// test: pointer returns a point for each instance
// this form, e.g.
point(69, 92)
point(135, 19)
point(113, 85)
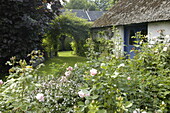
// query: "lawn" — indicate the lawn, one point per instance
point(64, 57)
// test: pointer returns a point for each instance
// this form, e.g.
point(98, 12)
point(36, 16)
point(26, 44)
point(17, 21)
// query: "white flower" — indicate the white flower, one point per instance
point(1, 82)
point(82, 94)
point(156, 51)
point(141, 42)
point(150, 46)
point(75, 66)
point(163, 102)
point(70, 68)
point(67, 73)
point(93, 72)
point(144, 112)
point(63, 79)
point(102, 64)
point(135, 111)
point(152, 42)
point(121, 65)
point(167, 36)
point(116, 73)
point(165, 48)
point(40, 97)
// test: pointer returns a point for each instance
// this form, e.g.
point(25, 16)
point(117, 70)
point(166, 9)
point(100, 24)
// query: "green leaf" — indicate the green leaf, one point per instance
point(102, 111)
point(80, 103)
point(87, 102)
point(128, 104)
point(95, 96)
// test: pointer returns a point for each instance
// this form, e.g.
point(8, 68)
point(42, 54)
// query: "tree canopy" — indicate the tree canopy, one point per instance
point(90, 4)
point(22, 25)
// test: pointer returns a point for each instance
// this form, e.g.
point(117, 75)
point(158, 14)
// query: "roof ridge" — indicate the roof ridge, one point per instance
point(88, 15)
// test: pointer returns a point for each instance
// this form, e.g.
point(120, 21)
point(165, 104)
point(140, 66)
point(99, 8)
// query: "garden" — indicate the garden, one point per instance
point(103, 84)
point(38, 77)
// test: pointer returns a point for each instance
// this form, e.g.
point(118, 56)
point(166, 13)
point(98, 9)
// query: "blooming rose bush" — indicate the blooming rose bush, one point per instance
point(27, 90)
point(129, 85)
point(105, 84)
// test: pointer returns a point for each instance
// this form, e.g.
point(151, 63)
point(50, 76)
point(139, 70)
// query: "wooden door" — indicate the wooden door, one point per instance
point(130, 31)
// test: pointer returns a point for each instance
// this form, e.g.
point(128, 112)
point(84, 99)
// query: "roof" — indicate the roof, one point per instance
point(85, 14)
point(135, 11)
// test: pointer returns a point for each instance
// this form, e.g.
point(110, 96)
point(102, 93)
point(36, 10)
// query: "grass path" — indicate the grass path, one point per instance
point(64, 57)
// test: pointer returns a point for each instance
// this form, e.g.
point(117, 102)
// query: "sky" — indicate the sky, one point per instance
point(65, 0)
point(49, 5)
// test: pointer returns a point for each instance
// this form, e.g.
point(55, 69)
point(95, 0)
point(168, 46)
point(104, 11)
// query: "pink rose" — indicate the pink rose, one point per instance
point(88, 94)
point(70, 68)
point(128, 78)
point(93, 72)
point(67, 73)
point(1, 82)
point(40, 97)
point(82, 94)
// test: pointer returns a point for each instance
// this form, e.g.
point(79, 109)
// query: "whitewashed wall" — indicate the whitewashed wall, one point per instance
point(120, 39)
point(156, 26)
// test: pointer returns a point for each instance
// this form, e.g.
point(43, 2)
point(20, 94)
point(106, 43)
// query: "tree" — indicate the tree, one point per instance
point(67, 24)
point(102, 5)
point(80, 4)
point(22, 25)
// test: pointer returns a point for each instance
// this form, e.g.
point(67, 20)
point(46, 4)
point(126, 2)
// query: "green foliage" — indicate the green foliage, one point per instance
point(21, 91)
point(80, 4)
point(67, 44)
point(104, 4)
point(127, 85)
point(22, 25)
point(93, 5)
point(105, 84)
point(69, 25)
point(17, 91)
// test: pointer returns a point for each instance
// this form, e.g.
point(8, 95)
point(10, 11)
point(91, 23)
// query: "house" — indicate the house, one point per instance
point(85, 14)
point(131, 16)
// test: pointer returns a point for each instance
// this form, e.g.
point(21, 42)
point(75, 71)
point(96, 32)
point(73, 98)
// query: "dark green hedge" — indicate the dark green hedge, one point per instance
point(22, 25)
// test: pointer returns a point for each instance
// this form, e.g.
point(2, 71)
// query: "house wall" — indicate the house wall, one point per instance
point(119, 35)
point(154, 27)
point(101, 33)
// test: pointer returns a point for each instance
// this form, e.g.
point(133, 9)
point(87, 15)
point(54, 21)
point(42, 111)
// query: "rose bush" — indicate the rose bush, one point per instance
point(105, 84)
point(129, 85)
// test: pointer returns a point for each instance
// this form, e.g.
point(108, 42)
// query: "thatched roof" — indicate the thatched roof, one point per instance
point(135, 11)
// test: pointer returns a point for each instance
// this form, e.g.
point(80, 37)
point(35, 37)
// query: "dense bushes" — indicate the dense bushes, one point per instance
point(22, 25)
point(102, 85)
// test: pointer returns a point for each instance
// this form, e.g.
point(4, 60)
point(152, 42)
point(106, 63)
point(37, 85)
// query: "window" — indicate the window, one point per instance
point(131, 38)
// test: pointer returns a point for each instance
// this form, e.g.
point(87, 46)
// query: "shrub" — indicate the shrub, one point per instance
point(105, 84)
point(128, 85)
